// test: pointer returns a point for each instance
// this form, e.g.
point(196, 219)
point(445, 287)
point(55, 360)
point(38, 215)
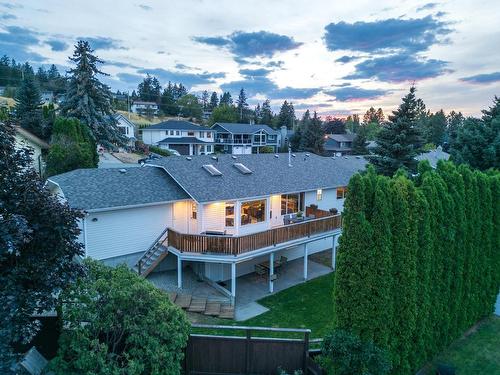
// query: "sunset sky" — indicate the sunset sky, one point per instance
point(335, 57)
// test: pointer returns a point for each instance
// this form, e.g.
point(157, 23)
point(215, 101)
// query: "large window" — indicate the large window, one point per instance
point(253, 212)
point(341, 192)
point(291, 203)
point(229, 214)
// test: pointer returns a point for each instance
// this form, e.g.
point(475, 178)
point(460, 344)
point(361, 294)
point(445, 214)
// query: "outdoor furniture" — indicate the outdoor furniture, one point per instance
point(215, 233)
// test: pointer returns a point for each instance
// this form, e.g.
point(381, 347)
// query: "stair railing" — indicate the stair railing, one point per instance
point(148, 253)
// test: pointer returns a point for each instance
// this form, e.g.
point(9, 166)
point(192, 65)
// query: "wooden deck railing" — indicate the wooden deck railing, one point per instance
point(235, 245)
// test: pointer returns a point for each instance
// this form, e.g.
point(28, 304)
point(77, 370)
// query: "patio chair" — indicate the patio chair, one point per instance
point(260, 270)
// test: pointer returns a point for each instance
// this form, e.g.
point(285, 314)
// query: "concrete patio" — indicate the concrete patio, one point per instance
point(249, 288)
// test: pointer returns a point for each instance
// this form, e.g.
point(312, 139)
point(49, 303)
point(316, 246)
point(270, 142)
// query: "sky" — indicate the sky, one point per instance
point(335, 57)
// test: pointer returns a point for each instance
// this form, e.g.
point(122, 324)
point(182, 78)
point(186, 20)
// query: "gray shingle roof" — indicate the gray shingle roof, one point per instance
point(270, 175)
point(433, 156)
point(245, 128)
point(91, 189)
point(342, 137)
point(176, 125)
point(183, 140)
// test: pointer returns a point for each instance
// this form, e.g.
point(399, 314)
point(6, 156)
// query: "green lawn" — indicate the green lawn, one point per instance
point(478, 353)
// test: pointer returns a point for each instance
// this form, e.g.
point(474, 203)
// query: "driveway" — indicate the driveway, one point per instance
point(107, 160)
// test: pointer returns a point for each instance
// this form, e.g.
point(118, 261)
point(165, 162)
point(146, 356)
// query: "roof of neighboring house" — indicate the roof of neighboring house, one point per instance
point(120, 117)
point(434, 156)
point(100, 188)
point(245, 128)
point(176, 125)
point(342, 137)
point(270, 174)
point(31, 137)
point(144, 103)
point(183, 140)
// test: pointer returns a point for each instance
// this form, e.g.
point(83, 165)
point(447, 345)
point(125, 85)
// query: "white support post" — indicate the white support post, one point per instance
point(334, 251)
point(305, 261)
point(233, 281)
point(179, 272)
point(271, 272)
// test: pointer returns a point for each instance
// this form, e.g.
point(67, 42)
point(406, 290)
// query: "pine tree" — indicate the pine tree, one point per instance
point(266, 114)
point(204, 100)
point(313, 138)
point(28, 107)
point(168, 105)
point(286, 117)
point(242, 106)
point(399, 141)
point(88, 99)
point(360, 143)
point(226, 99)
point(214, 101)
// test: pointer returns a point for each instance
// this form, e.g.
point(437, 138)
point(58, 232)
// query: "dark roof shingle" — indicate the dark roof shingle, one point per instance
point(245, 128)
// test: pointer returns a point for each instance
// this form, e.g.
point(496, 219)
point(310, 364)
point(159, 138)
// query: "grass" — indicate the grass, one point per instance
point(477, 353)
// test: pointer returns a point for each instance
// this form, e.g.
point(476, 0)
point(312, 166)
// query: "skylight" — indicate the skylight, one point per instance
point(242, 168)
point(212, 170)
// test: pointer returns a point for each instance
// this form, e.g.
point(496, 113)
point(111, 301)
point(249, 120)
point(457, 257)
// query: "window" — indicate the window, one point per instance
point(202, 148)
point(122, 130)
point(341, 192)
point(171, 132)
point(194, 211)
point(191, 134)
point(177, 132)
point(209, 148)
point(253, 212)
point(290, 203)
point(209, 134)
point(229, 214)
point(166, 132)
point(319, 194)
point(202, 134)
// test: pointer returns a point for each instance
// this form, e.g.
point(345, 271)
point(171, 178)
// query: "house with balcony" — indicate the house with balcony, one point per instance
point(145, 108)
point(241, 139)
point(221, 218)
point(185, 137)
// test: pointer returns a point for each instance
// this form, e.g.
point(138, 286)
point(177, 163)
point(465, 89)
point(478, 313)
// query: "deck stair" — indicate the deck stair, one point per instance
point(213, 307)
point(153, 255)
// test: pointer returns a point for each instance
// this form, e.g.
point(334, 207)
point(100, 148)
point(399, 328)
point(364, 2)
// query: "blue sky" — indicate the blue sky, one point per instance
point(330, 56)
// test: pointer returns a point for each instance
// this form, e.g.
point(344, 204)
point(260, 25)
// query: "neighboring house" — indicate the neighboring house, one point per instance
point(238, 139)
point(2, 90)
point(434, 156)
point(285, 136)
point(127, 128)
point(339, 143)
point(221, 216)
point(26, 139)
point(142, 108)
point(182, 136)
point(47, 97)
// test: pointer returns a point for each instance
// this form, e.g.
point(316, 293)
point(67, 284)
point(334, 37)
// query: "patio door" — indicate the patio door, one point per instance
point(275, 215)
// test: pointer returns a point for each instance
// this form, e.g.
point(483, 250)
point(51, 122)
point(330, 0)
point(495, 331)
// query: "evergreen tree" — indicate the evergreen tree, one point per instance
point(242, 106)
point(313, 138)
point(352, 123)
point(149, 89)
point(168, 105)
point(296, 138)
point(286, 117)
point(454, 123)
point(257, 114)
point(189, 106)
point(29, 107)
point(38, 244)
point(89, 100)
point(214, 101)
point(360, 143)
point(334, 125)
point(399, 141)
point(226, 99)
point(266, 114)
point(204, 100)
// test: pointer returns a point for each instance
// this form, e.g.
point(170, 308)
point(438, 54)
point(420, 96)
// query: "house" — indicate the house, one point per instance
point(47, 97)
point(218, 217)
point(145, 108)
point(26, 139)
point(434, 156)
point(286, 136)
point(237, 139)
point(339, 143)
point(185, 137)
point(126, 127)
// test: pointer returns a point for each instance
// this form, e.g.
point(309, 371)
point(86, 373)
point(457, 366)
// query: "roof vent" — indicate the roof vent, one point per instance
point(293, 155)
point(234, 157)
point(276, 156)
point(189, 158)
point(358, 157)
point(212, 170)
point(123, 170)
point(333, 157)
point(345, 157)
point(215, 158)
point(307, 154)
point(242, 168)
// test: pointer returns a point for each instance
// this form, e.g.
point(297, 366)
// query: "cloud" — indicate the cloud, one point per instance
point(185, 67)
point(16, 41)
point(11, 5)
point(393, 34)
point(293, 93)
point(427, 6)
point(253, 86)
point(352, 93)
point(102, 43)
point(130, 78)
point(251, 44)
point(57, 45)
point(260, 72)
point(484, 78)
point(399, 68)
point(145, 7)
point(345, 59)
point(7, 16)
point(187, 79)
point(275, 64)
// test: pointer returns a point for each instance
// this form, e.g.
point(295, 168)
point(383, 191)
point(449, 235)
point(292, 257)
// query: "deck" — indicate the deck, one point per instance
point(237, 245)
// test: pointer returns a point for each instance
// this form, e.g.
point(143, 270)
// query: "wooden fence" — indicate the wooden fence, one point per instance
point(234, 245)
point(209, 354)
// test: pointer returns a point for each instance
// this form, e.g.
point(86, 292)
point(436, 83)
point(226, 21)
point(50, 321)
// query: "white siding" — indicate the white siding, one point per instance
point(181, 219)
point(127, 231)
point(214, 216)
point(329, 200)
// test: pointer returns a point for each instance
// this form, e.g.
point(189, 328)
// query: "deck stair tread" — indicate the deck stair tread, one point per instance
point(197, 305)
point(226, 312)
point(212, 308)
point(183, 300)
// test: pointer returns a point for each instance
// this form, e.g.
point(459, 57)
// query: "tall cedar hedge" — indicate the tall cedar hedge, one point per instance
point(419, 260)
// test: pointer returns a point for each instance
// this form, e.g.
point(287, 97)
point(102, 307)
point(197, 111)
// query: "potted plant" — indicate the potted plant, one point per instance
point(299, 214)
point(314, 206)
point(334, 211)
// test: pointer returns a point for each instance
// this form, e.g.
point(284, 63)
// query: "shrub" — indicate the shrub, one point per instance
point(159, 151)
point(115, 322)
point(344, 353)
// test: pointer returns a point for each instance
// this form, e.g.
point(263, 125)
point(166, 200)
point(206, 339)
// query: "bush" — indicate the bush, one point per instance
point(159, 151)
point(266, 150)
point(345, 354)
point(115, 322)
